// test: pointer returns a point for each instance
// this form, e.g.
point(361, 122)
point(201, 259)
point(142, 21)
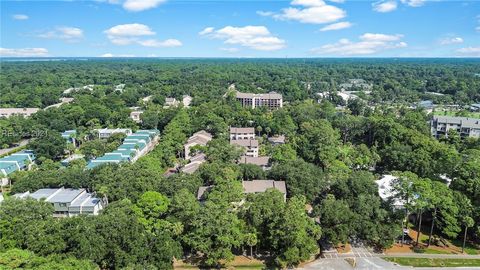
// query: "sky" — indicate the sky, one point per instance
point(243, 28)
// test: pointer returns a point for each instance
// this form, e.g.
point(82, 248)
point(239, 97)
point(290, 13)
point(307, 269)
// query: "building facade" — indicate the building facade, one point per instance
point(238, 133)
point(250, 146)
point(271, 100)
point(465, 127)
point(198, 138)
point(25, 112)
point(15, 162)
point(67, 202)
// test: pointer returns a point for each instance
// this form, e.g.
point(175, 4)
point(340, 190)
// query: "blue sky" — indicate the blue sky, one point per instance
point(197, 28)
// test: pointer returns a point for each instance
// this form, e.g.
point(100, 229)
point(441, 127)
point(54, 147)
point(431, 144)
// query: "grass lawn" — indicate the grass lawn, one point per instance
point(426, 262)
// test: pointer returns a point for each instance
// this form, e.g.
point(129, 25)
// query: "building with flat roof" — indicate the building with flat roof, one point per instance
point(67, 202)
point(271, 100)
point(105, 133)
point(198, 138)
point(466, 127)
point(250, 146)
point(133, 147)
point(242, 133)
point(25, 112)
point(15, 162)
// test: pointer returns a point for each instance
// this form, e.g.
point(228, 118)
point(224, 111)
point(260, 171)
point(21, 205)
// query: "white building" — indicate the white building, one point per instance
point(107, 132)
point(250, 146)
point(76, 89)
point(271, 100)
point(25, 112)
point(239, 133)
point(187, 100)
point(136, 115)
point(171, 102)
point(386, 191)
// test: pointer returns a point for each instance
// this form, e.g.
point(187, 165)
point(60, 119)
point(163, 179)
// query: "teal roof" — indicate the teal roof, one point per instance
point(15, 162)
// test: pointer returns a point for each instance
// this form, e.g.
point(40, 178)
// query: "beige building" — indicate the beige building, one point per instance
point(198, 138)
point(262, 161)
point(466, 127)
point(238, 133)
point(251, 146)
point(135, 115)
point(25, 112)
point(271, 100)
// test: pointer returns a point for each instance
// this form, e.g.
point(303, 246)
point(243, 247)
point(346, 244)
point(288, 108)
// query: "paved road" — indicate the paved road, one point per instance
point(8, 150)
point(441, 256)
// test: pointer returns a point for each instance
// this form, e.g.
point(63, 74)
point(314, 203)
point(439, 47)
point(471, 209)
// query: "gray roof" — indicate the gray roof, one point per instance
point(191, 167)
point(241, 130)
point(245, 143)
point(270, 95)
point(256, 186)
point(66, 195)
point(466, 122)
point(260, 161)
point(201, 192)
point(277, 139)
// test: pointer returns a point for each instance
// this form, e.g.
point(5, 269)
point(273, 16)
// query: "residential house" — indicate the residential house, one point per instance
point(198, 138)
point(387, 192)
point(25, 112)
point(15, 162)
point(466, 127)
point(69, 136)
point(186, 100)
point(262, 161)
point(194, 164)
point(105, 133)
point(250, 146)
point(241, 133)
point(67, 202)
point(271, 100)
point(171, 102)
point(135, 115)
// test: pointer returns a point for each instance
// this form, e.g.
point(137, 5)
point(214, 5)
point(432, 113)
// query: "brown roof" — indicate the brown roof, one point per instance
point(256, 186)
point(245, 143)
point(260, 161)
point(241, 130)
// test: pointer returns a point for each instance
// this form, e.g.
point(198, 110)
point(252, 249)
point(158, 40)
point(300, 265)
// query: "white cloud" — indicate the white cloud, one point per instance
point(140, 5)
point(414, 3)
point(230, 50)
point(66, 33)
point(369, 44)
point(384, 6)
point(311, 11)
point(265, 13)
point(126, 34)
point(20, 17)
point(336, 26)
point(135, 5)
point(159, 43)
point(108, 55)
point(477, 28)
point(253, 37)
point(25, 52)
point(451, 40)
point(207, 30)
point(337, 1)
point(469, 51)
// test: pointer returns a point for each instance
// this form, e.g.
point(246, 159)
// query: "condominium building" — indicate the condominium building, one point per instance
point(67, 202)
point(105, 133)
point(25, 112)
point(466, 127)
point(250, 146)
point(238, 133)
point(15, 162)
point(262, 161)
point(198, 138)
point(249, 187)
point(271, 100)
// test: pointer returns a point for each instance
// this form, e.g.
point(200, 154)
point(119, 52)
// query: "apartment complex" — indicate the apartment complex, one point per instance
point(250, 187)
point(15, 162)
point(67, 202)
point(262, 161)
point(25, 112)
point(466, 127)
point(271, 100)
point(250, 146)
point(198, 138)
point(134, 146)
point(238, 133)
point(105, 133)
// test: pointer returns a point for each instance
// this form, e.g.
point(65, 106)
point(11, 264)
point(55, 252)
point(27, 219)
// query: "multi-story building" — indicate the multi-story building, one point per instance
point(105, 133)
point(15, 162)
point(238, 133)
point(198, 138)
point(250, 146)
point(466, 127)
point(67, 202)
point(262, 161)
point(25, 112)
point(249, 187)
point(271, 100)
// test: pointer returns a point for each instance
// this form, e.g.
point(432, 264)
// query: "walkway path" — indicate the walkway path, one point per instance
point(11, 149)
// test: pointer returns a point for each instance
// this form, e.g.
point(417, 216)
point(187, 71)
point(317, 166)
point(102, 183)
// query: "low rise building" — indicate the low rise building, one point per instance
point(105, 133)
point(250, 187)
point(67, 202)
point(250, 146)
point(135, 115)
point(186, 100)
point(25, 112)
point(15, 162)
point(69, 135)
point(242, 133)
point(198, 138)
point(262, 161)
point(76, 89)
point(271, 100)
point(465, 127)
point(276, 140)
point(194, 164)
point(171, 102)
point(133, 147)
point(387, 192)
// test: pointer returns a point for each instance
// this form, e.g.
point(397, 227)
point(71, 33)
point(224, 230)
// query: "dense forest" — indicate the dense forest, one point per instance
point(330, 161)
